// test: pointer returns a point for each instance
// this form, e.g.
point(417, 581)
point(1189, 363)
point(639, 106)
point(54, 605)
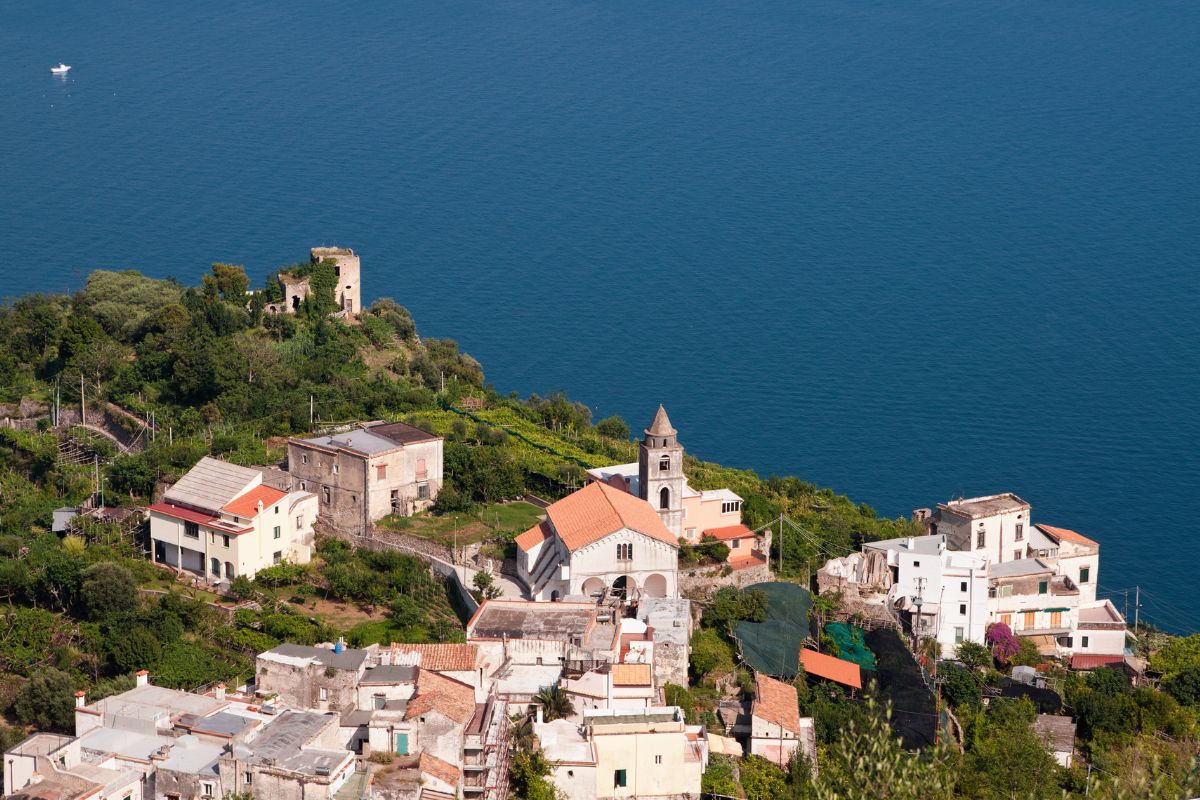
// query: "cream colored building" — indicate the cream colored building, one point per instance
point(995, 526)
point(219, 521)
point(658, 478)
point(650, 754)
point(347, 270)
point(599, 539)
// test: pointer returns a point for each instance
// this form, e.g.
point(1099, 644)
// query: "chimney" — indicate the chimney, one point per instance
point(911, 543)
point(143, 677)
point(260, 506)
point(538, 712)
point(220, 691)
point(80, 699)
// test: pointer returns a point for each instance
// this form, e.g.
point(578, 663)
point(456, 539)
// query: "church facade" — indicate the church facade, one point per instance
point(599, 539)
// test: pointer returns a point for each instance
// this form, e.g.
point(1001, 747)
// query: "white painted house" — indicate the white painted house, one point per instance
point(599, 538)
point(219, 521)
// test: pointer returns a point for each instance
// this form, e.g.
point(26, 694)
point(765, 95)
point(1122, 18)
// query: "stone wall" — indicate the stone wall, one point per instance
point(703, 580)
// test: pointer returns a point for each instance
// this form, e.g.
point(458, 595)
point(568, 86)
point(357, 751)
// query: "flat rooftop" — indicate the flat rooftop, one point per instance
point(521, 619)
point(1013, 569)
point(299, 654)
point(561, 742)
point(282, 743)
point(156, 703)
point(987, 506)
point(924, 545)
point(41, 744)
point(1101, 612)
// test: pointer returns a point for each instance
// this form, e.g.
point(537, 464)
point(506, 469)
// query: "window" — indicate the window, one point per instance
point(276, 531)
point(1016, 555)
point(619, 780)
point(380, 700)
point(916, 564)
point(206, 789)
point(658, 759)
point(1006, 591)
point(962, 609)
point(1055, 619)
point(733, 545)
point(302, 486)
point(1007, 620)
point(191, 530)
point(249, 778)
point(336, 469)
point(1085, 574)
point(322, 693)
point(225, 540)
point(278, 557)
point(276, 509)
point(991, 591)
point(1082, 642)
point(304, 458)
point(1028, 618)
point(625, 551)
point(980, 539)
point(1066, 641)
point(1020, 532)
point(325, 491)
point(1043, 587)
point(216, 567)
point(730, 506)
point(422, 470)
point(299, 522)
point(959, 635)
point(962, 587)
point(381, 472)
point(664, 498)
point(664, 464)
point(423, 491)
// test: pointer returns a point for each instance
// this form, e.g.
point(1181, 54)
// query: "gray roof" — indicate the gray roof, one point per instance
point(374, 438)
point(1060, 731)
point(211, 485)
point(976, 507)
point(529, 620)
point(282, 744)
point(670, 617)
point(222, 723)
point(923, 545)
point(348, 659)
point(389, 673)
point(1013, 569)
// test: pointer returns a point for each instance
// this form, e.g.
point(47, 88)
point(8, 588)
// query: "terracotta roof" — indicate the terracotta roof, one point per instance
point(247, 504)
point(597, 510)
point(533, 537)
point(776, 701)
point(441, 657)
point(631, 674)
point(1058, 729)
point(450, 698)
point(1088, 661)
point(1064, 533)
point(442, 770)
point(661, 426)
point(188, 515)
point(834, 669)
point(730, 532)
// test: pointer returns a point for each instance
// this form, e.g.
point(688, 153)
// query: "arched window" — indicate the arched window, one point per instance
point(664, 464)
point(664, 498)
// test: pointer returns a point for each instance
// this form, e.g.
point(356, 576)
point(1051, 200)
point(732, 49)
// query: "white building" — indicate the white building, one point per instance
point(995, 527)
point(219, 521)
point(952, 587)
point(595, 540)
point(650, 754)
point(777, 730)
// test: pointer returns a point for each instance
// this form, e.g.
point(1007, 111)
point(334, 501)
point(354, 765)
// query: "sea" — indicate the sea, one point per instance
point(910, 250)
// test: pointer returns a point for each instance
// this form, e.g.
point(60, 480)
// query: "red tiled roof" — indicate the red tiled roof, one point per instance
point(443, 657)
point(442, 770)
point(533, 537)
point(597, 510)
point(1069, 535)
point(450, 698)
point(199, 517)
point(834, 669)
point(247, 504)
point(1084, 661)
point(776, 701)
point(730, 532)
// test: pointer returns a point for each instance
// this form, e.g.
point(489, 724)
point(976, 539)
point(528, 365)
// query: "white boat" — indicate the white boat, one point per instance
point(61, 69)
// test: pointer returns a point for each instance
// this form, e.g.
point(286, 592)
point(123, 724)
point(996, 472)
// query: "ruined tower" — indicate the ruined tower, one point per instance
point(348, 291)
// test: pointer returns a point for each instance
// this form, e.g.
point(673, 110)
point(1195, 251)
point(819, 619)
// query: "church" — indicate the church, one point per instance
point(621, 532)
point(657, 477)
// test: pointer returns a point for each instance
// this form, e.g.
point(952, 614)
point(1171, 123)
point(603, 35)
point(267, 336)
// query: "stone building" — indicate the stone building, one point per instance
point(348, 292)
point(314, 678)
point(777, 730)
point(362, 475)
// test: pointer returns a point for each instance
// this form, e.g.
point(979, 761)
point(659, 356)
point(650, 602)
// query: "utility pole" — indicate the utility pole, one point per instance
point(1137, 605)
point(82, 402)
point(310, 410)
point(918, 601)
point(1126, 605)
point(781, 543)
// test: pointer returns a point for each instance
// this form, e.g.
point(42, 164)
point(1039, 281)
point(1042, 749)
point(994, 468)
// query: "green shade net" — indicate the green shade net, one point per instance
point(851, 644)
point(773, 646)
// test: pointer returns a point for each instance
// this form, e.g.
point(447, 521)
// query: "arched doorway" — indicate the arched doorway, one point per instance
point(624, 587)
point(655, 586)
point(593, 587)
point(664, 498)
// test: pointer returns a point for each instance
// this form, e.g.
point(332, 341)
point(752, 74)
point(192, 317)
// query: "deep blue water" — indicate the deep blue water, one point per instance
point(908, 250)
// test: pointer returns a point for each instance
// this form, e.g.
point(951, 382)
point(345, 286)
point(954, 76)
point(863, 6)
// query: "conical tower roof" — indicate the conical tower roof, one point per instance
point(661, 426)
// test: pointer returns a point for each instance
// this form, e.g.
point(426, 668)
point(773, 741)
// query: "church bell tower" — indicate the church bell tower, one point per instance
point(660, 471)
